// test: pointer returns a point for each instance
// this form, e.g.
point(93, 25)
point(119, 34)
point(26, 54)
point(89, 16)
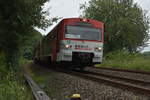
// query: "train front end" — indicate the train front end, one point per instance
point(82, 42)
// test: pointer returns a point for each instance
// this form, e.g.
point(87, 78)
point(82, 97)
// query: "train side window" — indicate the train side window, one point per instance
point(55, 35)
point(52, 36)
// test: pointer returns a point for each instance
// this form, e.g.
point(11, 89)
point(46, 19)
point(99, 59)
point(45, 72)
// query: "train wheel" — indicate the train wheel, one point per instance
point(81, 68)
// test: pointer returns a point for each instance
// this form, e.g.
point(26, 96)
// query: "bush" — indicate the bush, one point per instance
point(11, 83)
point(12, 89)
point(123, 59)
point(121, 56)
point(3, 70)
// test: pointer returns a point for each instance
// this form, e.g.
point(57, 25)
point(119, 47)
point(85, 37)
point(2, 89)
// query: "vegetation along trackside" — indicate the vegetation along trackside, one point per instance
point(110, 32)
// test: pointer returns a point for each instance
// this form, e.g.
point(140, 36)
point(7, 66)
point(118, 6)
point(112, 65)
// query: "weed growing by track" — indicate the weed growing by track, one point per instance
point(12, 86)
point(122, 59)
point(43, 77)
point(13, 89)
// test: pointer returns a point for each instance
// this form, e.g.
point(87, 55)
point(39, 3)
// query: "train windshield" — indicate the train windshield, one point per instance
point(83, 33)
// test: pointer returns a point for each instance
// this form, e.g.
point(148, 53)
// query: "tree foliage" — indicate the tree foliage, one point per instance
point(31, 42)
point(126, 24)
point(146, 54)
point(17, 21)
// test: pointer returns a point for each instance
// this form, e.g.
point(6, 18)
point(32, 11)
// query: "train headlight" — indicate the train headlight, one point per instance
point(67, 46)
point(98, 49)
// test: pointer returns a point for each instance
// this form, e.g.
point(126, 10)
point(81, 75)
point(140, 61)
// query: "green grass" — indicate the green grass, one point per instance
point(12, 85)
point(124, 60)
point(14, 88)
point(43, 76)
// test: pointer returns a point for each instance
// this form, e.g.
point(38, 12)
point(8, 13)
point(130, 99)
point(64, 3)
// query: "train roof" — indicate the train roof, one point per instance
point(77, 19)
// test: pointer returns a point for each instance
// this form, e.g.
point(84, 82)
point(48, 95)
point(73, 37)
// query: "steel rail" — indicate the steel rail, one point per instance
point(124, 70)
point(111, 82)
point(118, 78)
point(38, 93)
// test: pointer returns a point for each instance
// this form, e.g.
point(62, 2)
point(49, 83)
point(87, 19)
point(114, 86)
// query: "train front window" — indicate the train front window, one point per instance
point(83, 33)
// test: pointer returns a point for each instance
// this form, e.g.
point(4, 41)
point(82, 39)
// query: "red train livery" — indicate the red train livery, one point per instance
point(74, 41)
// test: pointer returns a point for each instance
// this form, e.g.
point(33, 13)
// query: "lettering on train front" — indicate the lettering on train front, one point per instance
point(82, 47)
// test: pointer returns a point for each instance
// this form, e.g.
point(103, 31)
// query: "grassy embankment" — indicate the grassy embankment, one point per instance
point(43, 77)
point(12, 85)
point(124, 60)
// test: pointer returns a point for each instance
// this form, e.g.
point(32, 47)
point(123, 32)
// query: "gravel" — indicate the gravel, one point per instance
point(61, 86)
point(89, 90)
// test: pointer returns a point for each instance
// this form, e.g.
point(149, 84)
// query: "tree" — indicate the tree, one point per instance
point(17, 21)
point(126, 24)
point(31, 42)
point(146, 54)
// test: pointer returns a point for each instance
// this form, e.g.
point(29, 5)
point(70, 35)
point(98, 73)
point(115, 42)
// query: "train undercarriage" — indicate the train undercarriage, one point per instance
point(79, 61)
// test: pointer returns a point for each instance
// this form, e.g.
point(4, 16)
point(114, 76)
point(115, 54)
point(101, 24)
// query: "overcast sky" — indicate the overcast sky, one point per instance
point(70, 8)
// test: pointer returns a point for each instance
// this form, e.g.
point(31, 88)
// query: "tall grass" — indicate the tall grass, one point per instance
point(12, 85)
point(122, 59)
point(12, 89)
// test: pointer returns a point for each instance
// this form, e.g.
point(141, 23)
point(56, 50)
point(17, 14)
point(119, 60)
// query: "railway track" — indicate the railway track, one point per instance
point(123, 83)
point(124, 70)
point(134, 81)
point(38, 93)
point(136, 85)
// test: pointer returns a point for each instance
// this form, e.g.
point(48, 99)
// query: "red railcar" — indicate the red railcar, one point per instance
point(73, 40)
